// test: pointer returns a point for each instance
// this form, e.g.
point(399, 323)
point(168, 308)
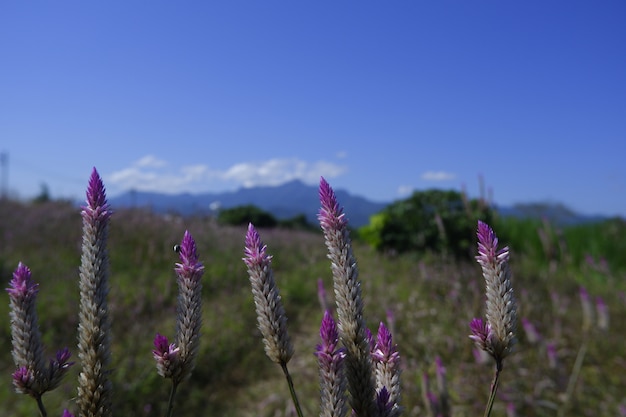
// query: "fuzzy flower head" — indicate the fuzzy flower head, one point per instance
point(385, 350)
point(331, 215)
point(271, 316)
point(331, 368)
point(189, 266)
point(26, 339)
point(501, 305)
point(97, 207)
point(22, 286)
point(166, 356)
point(189, 307)
point(24, 381)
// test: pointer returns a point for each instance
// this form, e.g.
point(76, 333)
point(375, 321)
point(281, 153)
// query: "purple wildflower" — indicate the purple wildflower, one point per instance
point(501, 306)
point(166, 357)
point(26, 337)
point(332, 378)
point(384, 405)
point(271, 316)
point(94, 385)
point(352, 327)
point(387, 363)
point(67, 414)
point(189, 317)
point(480, 333)
point(24, 382)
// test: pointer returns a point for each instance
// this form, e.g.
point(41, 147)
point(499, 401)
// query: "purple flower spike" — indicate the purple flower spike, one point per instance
point(331, 215)
point(24, 381)
point(67, 413)
point(488, 253)
point(255, 250)
point(328, 334)
point(385, 350)
point(94, 343)
point(383, 403)
point(189, 267)
point(26, 339)
point(271, 316)
point(166, 357)
point(58, 367)
point(349, 302)
point(480, 333)
point(22, 286)
point(501, 305)
point(387, 362)
point(330, 360)
point(97, 205)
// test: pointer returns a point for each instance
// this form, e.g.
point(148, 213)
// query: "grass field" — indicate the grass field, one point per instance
point(430, 299)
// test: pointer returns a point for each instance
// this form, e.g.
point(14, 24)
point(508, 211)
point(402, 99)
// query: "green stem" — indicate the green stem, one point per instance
point(573, 379)
point(494, 388)
point(170, 406)
point(292, 390)
point(42, 409)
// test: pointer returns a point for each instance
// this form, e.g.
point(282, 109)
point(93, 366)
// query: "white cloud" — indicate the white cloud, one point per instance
point(279, 171)
point(152, 174)
point(438, 176)
point(150, 161)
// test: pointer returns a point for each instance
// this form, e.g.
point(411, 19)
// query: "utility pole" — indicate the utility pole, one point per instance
point(4, 170)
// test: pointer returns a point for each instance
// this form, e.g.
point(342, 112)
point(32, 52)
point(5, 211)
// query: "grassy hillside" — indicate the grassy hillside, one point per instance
point(431, 301)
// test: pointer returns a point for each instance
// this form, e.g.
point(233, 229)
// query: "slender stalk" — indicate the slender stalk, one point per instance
point(494, 389)
point(42, 409)
point(573, 379)
point(292, 390)
point(170, 405)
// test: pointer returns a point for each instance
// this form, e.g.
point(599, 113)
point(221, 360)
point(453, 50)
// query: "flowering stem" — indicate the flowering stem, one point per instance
point(494, 389)
point(42, 409)
point(292, 390)
point(573, 379)
point(170, 405)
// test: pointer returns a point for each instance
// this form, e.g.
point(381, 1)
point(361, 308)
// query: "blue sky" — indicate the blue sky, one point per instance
point(381, 98)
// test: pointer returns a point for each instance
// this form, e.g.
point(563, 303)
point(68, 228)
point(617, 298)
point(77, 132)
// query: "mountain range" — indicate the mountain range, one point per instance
point(295, 198)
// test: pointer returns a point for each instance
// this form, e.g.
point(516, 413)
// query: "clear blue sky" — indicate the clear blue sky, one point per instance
point(381, 98)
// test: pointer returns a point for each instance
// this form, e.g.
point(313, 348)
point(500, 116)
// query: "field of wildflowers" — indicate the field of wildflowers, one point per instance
point(403, 335)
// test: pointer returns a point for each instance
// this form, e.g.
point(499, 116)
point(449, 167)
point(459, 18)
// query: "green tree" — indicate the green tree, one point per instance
point(243, 215)
point(438, 221)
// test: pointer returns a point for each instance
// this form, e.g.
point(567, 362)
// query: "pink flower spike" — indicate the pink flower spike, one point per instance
point(328, 334)
point(331, 216)
point(22, 286)
point(97, 205)
point(383, 403)
point(189, 266)
point(385, 350)
point(255, 250)
point(23, 380)
point(480, 333)
point(163, 349)
point(488, 253)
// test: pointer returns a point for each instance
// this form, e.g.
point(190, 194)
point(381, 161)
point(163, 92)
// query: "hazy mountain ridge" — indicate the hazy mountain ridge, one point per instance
point(295, 198)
